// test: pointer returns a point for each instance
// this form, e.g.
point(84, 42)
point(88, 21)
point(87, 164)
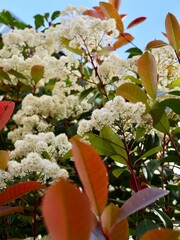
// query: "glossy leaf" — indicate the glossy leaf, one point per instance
point(173, 31)
point(172, 103)
point(55, 15)
point(175, 83)
point(164, 218)
point(111, 12)
point(67, 212)
point(37, 73)
point(140, 200)
point(136, 22)
point(17, 190)
point(93, 174)
point(4, 158)
point(115, 3)
point(152, 151)
point(119, 230)
point(96, 14)
point(6, 110)
point(163, 234)
point(155, 44)
point(147, 70)
point(132, 93)
point(123, 39)
point(6, 210)
point(145, 226)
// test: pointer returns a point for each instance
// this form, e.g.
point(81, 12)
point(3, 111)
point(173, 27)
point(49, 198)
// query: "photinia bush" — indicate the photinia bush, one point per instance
point(100, 132)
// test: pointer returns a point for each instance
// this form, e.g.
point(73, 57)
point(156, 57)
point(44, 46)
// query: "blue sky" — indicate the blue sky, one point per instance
point(154, 10)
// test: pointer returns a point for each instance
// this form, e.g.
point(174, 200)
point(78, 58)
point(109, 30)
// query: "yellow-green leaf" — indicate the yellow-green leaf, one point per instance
point(37, 72)
point(147, 70)
point(111, 12)
point(175, 83)
point(132, 93)
point(4, 158)
point(173, 31)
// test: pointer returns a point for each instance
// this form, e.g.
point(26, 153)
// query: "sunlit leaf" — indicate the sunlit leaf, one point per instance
point(132, 93)
point(4, 158)
point(55, 15)
point(140, 200)
point(93, 174)
point(6, 110)
point(6, 210)
point(163, 234)
point(17, 190)
point(172, 103)
point(93, 13)
point(66, 212)
point(175, 83)
point(173, 31)
point(111, 12)
point(66, 42)
point(155, 44)
point(85, 93)
point(136, 22)
point(123, 39)
point(37, 73)
point(115, 3)
point(147, 70)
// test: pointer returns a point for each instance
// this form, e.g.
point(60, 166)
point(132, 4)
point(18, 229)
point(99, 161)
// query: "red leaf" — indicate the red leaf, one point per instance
point(140, 200)
point(115, 3)
point(136, 21)
point(92, 173)
point(123, 39)
point(18, 190)
point(155, 44)
point(6, 210)
point(96, 14)
point(67, 212)
point(6, 110)
point(161, 234)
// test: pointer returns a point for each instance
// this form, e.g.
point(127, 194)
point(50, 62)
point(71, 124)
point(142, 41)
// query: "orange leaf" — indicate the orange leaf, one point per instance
point(96, 14)
point(111, 12)
point(92, 173)
point(161, 234)
point(155, 44)
point(67, 212)
point(120, 230)
point(6, 210)
point(6, 110)
point(115, 3)
point(147, 70)
point(123, 39)
point(136, 21)
point(173, 31)
point(18, 190)
point(4, 158)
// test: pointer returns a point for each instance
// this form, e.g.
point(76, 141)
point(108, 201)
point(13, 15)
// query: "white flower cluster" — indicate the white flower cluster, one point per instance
point(37, 155)
point(129, 116)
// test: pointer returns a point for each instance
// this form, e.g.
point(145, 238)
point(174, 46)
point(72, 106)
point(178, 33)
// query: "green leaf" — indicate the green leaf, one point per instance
point(4, 75)
point(175, 83)
point(55, 15)
point(133, 79)
point(66, 42)
point(144, 226)
point(176, 93)
point(39, 21)
point(37, 73)
point(118, 171)
point(151, 152)
point(85, 93)
point(134, 52)
point(132, 93)
point(172, 103)
point(147, 70)
point(140, 132)
point(16, 74)
point(164, 218)
point(46, 16)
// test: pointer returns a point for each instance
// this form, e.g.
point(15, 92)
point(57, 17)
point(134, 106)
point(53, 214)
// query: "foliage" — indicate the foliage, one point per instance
point(63, 88)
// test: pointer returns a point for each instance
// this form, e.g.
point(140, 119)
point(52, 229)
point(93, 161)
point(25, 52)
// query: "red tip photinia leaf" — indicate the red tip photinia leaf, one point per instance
point(123, 39)
point(93, 174)
point(111, 12)
point(140, 200)
point(67, 212)
point(147, 69)
point(173, 31)
point(94, 13)
point(155, 44)
point(163, 234)
point(6, 210)
point(136, 22)
point(115, 3)
point(6, 110)
point(18, 190)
